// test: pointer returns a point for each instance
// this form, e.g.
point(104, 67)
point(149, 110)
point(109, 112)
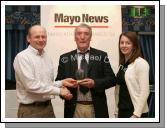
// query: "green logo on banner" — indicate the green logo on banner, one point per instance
point(139, 12)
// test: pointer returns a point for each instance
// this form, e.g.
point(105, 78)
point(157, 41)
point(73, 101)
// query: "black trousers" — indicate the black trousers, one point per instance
point(128, 113)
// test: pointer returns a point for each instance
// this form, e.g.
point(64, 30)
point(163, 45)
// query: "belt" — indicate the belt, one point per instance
point(46, 103)
point(85, 102)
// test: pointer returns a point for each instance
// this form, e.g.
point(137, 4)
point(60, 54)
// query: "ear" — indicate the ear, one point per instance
point(74, 38)
point(28, 39)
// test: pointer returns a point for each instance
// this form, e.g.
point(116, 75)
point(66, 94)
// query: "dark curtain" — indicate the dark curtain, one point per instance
point(145, 26)
point(17, 21)
point(15, 40)
point(147, 43)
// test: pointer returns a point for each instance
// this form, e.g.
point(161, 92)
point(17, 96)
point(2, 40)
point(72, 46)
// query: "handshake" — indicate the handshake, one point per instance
point(64, 92)
point(71, 83)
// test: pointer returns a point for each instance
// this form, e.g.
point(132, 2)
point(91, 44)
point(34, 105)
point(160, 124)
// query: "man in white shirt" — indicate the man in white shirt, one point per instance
point(35, 83)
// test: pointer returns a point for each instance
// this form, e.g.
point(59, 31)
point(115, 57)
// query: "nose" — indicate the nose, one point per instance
point(82, 36)
point(41, 38)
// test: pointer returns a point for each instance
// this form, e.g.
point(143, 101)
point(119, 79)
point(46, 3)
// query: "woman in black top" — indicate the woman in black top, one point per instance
point(131, 97)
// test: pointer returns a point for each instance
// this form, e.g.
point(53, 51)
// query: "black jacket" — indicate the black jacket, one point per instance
point(99, 70)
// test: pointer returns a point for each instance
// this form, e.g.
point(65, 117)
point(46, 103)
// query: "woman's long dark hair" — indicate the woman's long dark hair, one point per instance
point(132, 36)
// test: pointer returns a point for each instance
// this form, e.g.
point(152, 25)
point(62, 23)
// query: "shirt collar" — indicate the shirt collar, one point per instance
point(78, 51)
point(35, 51)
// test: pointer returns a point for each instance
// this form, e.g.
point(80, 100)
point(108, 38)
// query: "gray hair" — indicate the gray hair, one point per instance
point(85, 26)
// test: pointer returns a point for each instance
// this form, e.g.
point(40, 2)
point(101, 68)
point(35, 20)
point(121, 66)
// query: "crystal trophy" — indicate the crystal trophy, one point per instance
point(80, 75)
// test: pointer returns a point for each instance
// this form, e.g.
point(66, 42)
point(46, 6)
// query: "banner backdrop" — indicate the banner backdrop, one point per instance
point(60, 21)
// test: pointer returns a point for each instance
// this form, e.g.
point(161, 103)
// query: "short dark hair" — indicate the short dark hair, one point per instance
point(132, 36)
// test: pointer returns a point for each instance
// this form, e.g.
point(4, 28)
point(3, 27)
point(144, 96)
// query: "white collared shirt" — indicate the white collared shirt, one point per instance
point(34, 75)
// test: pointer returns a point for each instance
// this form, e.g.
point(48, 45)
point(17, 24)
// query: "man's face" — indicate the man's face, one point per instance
point(83, 38)
point(37, 38)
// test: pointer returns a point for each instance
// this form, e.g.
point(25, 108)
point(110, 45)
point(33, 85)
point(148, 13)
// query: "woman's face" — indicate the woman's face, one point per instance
point(126, 46)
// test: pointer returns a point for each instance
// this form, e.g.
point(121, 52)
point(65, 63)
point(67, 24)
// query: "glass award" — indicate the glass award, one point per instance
point(80, 75)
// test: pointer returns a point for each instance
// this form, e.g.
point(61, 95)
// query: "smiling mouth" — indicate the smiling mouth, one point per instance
point(124, 49)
